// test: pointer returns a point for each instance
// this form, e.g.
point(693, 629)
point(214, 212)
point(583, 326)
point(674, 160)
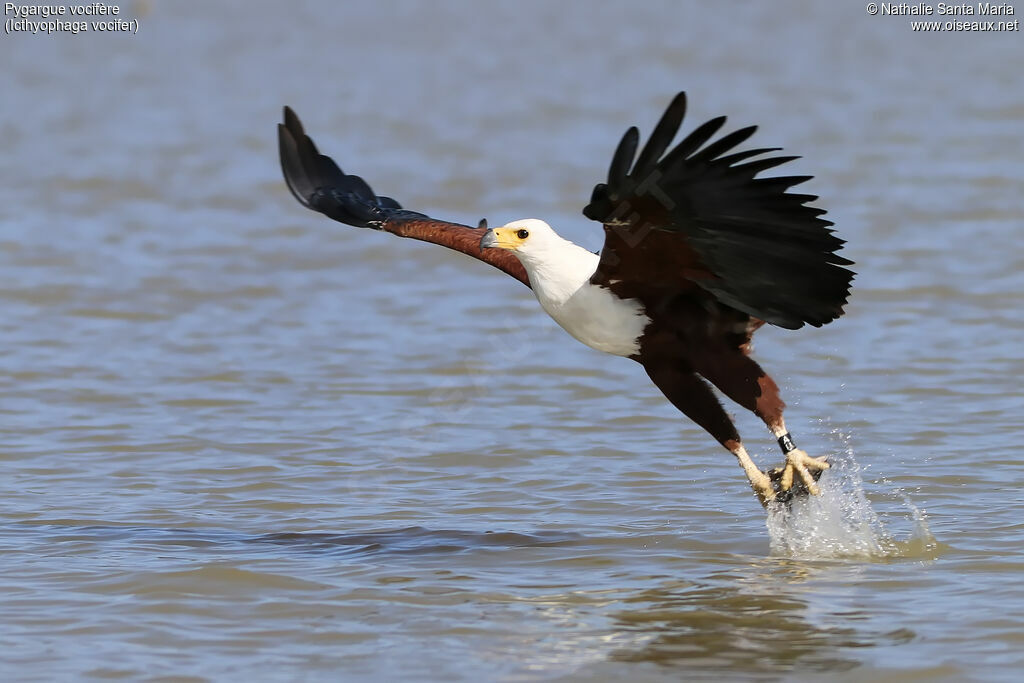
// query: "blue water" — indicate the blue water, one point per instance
point(243, 442)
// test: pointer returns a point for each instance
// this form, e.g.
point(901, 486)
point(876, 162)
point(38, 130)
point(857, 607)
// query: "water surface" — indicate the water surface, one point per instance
point(240, 441)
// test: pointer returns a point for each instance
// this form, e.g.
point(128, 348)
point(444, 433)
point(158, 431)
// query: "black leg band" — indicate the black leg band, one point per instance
point(786, 443)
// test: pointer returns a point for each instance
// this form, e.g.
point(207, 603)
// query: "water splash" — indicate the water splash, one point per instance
point(843, 523)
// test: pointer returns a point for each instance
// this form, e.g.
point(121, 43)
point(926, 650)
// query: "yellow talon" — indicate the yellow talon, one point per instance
point(798, 463)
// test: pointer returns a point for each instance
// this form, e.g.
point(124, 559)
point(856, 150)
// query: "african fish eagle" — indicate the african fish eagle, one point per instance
point(699, 252)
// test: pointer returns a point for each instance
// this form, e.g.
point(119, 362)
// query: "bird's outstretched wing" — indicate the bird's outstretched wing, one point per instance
point(319, 184)
point(699, 217)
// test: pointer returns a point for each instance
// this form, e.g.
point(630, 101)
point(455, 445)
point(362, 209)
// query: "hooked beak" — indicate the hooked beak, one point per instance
point(498, 238)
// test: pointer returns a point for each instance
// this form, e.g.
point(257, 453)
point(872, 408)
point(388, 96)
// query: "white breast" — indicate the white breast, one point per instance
point(599, 319)
point(590, 313)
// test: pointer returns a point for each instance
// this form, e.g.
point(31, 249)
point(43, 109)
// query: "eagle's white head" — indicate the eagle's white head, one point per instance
point(527, 237)
point(552, 262)
point(537, 246)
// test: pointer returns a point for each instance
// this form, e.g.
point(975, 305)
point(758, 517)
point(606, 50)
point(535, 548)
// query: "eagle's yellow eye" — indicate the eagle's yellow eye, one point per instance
point(522, 234)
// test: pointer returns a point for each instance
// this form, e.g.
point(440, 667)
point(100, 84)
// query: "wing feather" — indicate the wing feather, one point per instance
point(662, 136)
point(722, 144)
point(318, 183)
point(623, 157)
point(692, 142)
point(698, 218)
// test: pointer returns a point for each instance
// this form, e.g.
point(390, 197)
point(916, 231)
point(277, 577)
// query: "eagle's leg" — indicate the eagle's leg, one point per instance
point(692, 395)
point(744, 381)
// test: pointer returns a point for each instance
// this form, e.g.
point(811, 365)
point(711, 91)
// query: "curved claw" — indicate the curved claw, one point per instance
point(798, 465)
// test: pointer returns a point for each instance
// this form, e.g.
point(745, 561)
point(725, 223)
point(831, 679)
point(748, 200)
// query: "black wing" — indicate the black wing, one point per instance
point(319, 184)
point(699, 215)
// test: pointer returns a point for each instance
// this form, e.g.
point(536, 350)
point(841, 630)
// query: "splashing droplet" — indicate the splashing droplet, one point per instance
point(842, 523)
